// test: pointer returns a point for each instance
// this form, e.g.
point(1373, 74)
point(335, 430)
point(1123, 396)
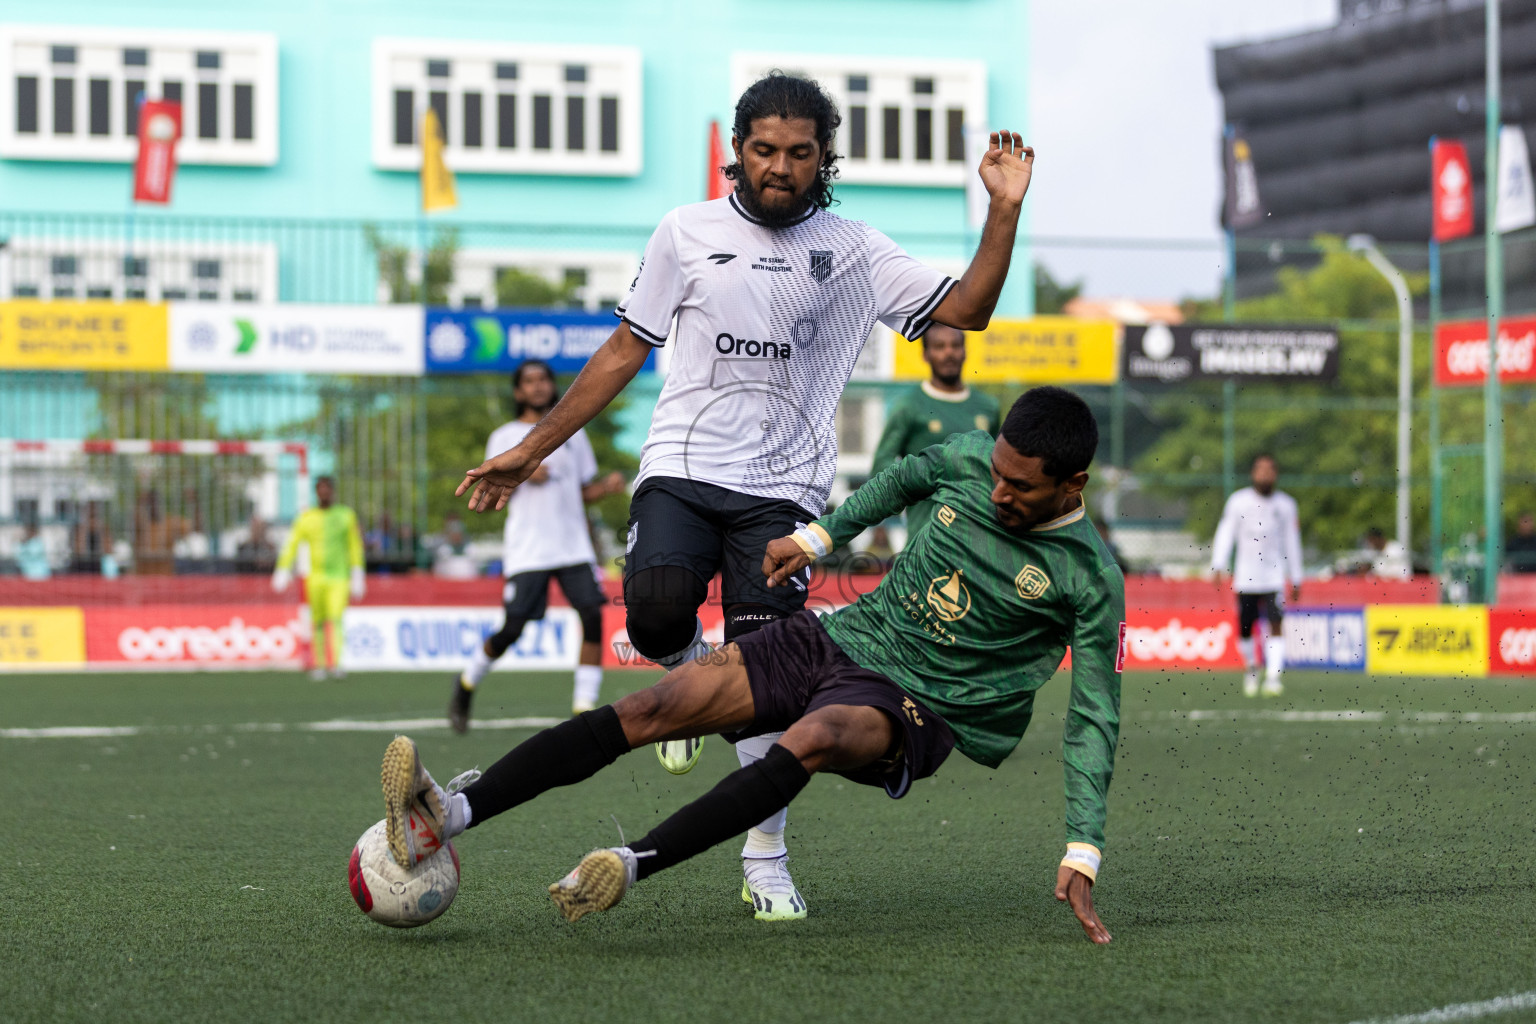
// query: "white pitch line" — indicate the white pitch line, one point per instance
point(1463, 1011)
point(71, 732)
point(1345, 715)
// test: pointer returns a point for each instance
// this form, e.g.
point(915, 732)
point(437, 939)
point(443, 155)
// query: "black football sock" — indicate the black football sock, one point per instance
point(741, 800)
point(568, 753)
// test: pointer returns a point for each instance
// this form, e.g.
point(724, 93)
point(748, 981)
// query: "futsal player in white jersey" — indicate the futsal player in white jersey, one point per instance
point(546, 539)
point(1260, 523)
point(766, 299)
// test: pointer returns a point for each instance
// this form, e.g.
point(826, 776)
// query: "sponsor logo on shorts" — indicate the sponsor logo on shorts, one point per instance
point(910, 708)
point(949, 597)
point(945, 515)
point(1032, 582)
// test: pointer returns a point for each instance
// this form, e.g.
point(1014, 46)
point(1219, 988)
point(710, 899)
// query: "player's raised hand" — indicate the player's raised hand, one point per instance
point(492, 482)
point(1076, 889)
point(783, 559)
point(1007, 166)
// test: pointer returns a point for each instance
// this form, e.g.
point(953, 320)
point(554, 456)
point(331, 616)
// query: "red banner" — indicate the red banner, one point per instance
point(1451, 181)
point(1511, 641)
point(719, 186)
point(159, 131)
point(1461, 352)
point(210, 635)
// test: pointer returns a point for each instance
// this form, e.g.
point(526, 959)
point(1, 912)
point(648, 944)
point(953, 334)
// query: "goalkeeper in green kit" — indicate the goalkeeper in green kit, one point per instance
point(947, 652)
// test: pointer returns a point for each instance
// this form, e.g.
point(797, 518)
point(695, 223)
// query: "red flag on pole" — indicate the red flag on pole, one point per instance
point(159, 130)
point(1451, 187)
point(719, 186)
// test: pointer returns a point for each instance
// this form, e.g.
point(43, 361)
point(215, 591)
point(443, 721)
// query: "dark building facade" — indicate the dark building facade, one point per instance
point(1339, 122)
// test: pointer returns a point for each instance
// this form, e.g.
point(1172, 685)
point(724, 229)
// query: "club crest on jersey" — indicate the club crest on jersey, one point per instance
point(949, 597)
point(821, 264)
point(1031, 583)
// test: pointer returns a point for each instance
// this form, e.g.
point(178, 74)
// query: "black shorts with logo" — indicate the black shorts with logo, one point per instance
point(1271, 605)
point(794, 667)
point(707, 529)
point(526, 595)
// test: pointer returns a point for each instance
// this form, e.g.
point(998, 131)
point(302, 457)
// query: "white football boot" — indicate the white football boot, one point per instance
point(599, 882)
point(679, 756)
point(417, 815)
point(768, 889)
point(1272, 687)
point(1251, 683)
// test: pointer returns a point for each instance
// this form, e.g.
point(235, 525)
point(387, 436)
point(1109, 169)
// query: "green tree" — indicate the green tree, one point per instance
point(518, 289)
point(1051, 295)
point(395, 266)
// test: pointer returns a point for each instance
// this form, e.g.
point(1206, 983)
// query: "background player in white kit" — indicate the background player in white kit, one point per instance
point(769, 299)
point(1261, 523)
point(546, 538)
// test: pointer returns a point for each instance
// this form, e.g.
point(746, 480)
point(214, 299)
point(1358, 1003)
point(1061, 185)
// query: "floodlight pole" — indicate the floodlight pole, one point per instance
point(1493, 398)
point(1366, 245)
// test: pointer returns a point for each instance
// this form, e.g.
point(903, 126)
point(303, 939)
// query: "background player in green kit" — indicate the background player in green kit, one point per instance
point(335, 571)
point(947, 652)
point(936, 408)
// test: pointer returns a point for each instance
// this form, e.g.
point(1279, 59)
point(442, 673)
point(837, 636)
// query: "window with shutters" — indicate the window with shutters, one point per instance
point(72, 93)
point(904, 120)
point(155, 270)
point(509, 108)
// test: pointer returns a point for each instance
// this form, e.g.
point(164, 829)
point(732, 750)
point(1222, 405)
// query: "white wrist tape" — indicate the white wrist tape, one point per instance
point(811, 541)
point(1083, 858)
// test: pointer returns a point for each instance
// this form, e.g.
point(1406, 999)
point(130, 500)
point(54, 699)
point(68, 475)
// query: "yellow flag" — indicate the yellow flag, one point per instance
point(437, 191)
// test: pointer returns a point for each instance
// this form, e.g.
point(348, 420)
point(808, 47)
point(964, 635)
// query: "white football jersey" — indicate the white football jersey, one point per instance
point(547, 523)
point(769, 322)
point(1267, 536)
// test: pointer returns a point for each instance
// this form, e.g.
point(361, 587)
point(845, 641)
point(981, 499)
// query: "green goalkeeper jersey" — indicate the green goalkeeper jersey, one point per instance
point(973, 619)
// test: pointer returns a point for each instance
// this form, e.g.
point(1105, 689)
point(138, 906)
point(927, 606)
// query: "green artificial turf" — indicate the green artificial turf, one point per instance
point(1258, 868)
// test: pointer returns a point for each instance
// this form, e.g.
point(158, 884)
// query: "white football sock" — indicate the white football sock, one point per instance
point(479, 665)
point(1247, 646)
point(459, 815)
point(1274, 656)
point(589, 682)
point(696, 648)
point(767, 839)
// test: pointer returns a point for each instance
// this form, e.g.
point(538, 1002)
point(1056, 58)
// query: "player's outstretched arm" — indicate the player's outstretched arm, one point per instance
point(611, 367)
point(1076, 890)
point(1005, 171)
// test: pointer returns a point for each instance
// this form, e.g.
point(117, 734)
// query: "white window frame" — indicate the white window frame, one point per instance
point(244, 268)
point(960, 84)
point(245, 57)
point(400, 63)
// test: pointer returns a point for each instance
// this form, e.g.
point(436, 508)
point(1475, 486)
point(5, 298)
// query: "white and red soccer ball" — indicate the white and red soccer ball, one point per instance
point(393, 895)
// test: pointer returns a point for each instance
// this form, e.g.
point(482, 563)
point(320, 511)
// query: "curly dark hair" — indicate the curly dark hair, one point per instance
point(1056, 426)
point(777, 94)
point(517, 378)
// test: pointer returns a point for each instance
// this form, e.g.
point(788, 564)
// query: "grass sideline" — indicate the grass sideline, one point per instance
point(1261, 867)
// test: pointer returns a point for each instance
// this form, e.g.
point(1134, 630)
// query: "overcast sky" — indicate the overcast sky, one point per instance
point(1125, 122)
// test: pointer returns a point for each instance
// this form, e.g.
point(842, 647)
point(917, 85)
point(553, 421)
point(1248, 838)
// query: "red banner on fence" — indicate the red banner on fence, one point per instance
point(1451, 181)
point(1461, 352)
point(1511, 641)
point(158, 635)
point(159, 131)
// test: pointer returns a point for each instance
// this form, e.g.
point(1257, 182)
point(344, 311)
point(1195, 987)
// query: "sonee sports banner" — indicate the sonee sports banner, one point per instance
point(1174, 354)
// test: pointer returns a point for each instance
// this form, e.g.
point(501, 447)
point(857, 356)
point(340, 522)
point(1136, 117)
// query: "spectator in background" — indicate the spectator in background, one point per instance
point(32, 555)
point(92, 539)
point(453, 560)
point(256, 553)
point(1521, 549)
point(380, 539)
point(155, 536)
point(1389, 559)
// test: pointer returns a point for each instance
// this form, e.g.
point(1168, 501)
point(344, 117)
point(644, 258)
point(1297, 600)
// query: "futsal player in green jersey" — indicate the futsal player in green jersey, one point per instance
point(335, 572)
point(946, 652)
point(936, 408)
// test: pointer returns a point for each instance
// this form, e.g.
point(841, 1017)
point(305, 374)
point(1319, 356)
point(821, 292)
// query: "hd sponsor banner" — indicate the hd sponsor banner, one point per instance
point(1426, 640)
point(209, 636)
point(1325, 639)
point(1512, 641)
point(1171, 354)
point(1461, 352)
point(444, 639)
point(218, 337)
point(41, 638)
point(472, 341)
point(1040, 350)
point(39, 334)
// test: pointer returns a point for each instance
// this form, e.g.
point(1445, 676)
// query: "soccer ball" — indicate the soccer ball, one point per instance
point(393, 896)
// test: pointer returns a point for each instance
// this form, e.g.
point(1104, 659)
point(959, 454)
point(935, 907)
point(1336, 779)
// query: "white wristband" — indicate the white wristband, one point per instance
point(1084, 859)
point(812, 542)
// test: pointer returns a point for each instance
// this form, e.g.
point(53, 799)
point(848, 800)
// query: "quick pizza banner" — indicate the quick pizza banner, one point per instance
point(1172, 354)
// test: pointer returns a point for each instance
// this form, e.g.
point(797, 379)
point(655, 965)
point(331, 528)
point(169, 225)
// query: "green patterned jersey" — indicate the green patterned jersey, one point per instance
point(924, 417)
point(973, 619)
